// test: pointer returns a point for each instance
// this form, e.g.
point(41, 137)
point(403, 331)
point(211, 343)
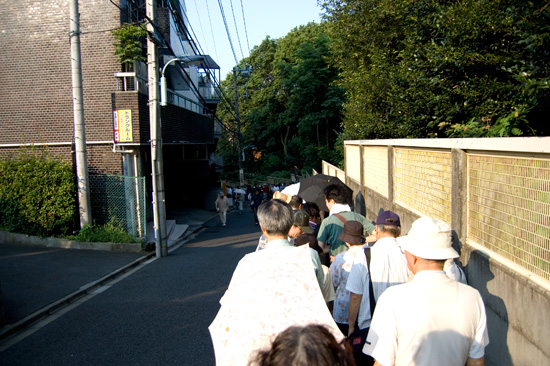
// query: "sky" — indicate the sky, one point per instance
point(273, 18)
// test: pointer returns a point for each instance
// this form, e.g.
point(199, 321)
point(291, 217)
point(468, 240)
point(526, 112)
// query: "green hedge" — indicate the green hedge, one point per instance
point(37, 195)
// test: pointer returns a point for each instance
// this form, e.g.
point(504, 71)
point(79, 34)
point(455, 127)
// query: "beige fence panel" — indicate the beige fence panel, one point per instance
point(509, 209)
point(375, 169)
point(353, 163)
point(422, 182)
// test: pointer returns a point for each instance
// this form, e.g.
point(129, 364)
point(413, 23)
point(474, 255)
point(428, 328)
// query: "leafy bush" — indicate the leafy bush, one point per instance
point(37, 194)
point(108, 233)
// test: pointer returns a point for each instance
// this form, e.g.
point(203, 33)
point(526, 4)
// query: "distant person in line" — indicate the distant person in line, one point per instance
point(222, 205)
point(312, 210)
point(311, 345)
point(311, 240)
point(340, 268)
point(431, 320)
point(255, 202)
point(240, 202)
point(296, 202)
point(337, 200)
point(300, 226)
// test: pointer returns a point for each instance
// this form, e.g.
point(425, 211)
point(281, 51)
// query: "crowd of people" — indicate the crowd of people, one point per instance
point(369, 295)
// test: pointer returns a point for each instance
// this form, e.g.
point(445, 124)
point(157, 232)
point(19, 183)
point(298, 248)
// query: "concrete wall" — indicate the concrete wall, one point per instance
point(517, 301)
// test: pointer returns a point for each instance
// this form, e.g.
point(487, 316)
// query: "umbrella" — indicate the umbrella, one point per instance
point(291, 190)
point(311, 189)
point(270, 290)
point(239, 190)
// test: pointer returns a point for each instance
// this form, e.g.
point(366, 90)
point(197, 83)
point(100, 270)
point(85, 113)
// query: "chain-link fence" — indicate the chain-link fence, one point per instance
point(119, 200)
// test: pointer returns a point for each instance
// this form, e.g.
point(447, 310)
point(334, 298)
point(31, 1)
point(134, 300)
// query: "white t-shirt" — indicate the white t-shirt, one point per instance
point(388, 267)
point(431, 320)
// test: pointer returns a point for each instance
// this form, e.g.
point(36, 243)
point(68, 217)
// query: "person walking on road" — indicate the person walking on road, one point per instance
point(255, 202)
point(222, 205)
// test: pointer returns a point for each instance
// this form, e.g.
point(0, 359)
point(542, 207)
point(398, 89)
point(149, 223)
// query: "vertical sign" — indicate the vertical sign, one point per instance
point(122, 125)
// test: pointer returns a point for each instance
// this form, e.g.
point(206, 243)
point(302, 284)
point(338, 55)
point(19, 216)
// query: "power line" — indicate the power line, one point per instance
point(236, 29)
point(211, 29)
point(227, 31)
point(245, 30)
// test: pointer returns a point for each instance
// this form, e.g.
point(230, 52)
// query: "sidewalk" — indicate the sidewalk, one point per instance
point(34, 279)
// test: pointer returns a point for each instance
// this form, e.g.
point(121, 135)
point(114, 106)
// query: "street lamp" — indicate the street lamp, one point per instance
point(187, 60)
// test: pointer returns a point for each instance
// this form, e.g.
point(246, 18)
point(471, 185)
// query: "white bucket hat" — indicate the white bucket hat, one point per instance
point(429, 239)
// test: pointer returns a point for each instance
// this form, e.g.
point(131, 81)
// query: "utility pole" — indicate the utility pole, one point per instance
point(78, 112)
point(159, 208)
point(238, 122)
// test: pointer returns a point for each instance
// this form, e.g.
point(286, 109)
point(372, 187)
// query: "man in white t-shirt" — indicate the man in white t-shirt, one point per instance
point(431, 320)
point(388, 267)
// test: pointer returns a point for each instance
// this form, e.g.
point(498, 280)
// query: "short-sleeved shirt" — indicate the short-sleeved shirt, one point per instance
point(432, 320)
point(339, 270)
point(332, 227)
point(388, 266)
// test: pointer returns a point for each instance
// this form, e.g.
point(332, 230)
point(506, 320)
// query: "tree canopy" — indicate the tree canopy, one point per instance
point(393, 69)
point(435, 68)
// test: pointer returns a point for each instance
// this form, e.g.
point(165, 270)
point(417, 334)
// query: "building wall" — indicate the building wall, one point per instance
point(35, 77)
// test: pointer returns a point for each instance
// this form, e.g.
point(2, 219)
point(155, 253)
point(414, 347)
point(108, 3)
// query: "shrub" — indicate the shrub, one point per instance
point(108, 233)
point(37, 194)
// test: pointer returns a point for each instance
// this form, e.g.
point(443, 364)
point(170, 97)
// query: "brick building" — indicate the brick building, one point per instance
point(36, 92)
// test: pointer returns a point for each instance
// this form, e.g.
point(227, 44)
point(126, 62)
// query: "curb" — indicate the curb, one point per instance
point(7, 237)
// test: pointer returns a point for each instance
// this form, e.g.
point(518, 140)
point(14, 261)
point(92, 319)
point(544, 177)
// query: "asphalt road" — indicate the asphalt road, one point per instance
point(156, 315)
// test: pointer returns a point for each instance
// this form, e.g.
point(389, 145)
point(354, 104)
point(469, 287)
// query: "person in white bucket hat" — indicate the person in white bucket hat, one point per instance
point(431, 320)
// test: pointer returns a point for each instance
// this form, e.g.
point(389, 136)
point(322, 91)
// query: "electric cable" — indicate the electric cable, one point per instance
point(236, 29)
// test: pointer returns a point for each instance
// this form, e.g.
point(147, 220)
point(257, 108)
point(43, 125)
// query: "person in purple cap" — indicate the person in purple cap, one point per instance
point(388, 267)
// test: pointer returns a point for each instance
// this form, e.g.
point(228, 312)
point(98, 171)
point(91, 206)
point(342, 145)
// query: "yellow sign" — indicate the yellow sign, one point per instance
point(122, 125)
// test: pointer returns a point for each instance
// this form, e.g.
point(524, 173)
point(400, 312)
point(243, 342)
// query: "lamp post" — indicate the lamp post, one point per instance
point(187, 60)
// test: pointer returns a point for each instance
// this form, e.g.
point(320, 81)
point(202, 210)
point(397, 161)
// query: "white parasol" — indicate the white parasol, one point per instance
point(239, 190)
point(291, 190)
point(270, 290)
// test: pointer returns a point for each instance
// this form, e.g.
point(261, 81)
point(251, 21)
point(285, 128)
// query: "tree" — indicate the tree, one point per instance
point(428, 68)
point(291, 111)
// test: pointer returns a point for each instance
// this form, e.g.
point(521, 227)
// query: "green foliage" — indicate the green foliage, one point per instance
point(435, 68)
point(292, 110)
point(108, 233)
point(129, 47)
point(37, 194)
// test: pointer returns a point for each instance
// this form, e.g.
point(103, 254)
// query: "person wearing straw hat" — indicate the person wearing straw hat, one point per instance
point(431, 320)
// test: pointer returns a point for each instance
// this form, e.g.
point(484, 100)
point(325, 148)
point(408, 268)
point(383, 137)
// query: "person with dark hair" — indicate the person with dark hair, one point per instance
point(337, 200)
point(352, 235)
point(255, 201)
point(296, 202)
point(311, 345)
point(326, 287)
point(313, 212)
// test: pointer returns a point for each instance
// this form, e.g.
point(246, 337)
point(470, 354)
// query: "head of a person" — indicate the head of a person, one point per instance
point(312, 210)
point(388, 224)
point(311, 240)
point(428, 243)
point(335, 193)
point(296, 202)
point(352, 233)
point(221, 194)
point(300, 224)
point(275, 217)
point(311, 345)
point(281, 196)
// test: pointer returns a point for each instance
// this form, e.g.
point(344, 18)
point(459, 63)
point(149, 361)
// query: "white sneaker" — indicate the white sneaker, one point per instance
point(224, 225)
